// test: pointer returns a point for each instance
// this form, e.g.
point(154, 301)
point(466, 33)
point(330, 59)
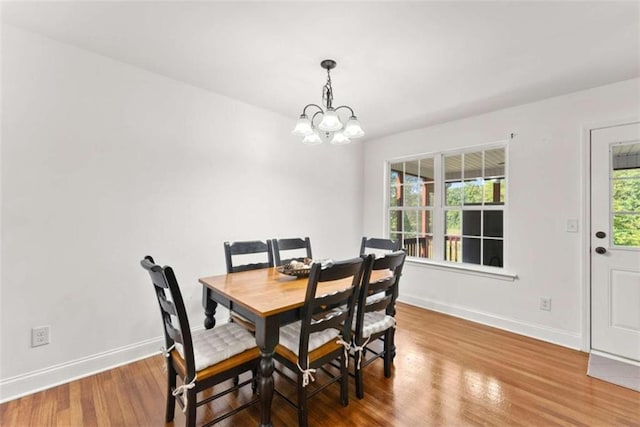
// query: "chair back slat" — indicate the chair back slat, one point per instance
point(167, 306)
point(378, 305)
point(333, 299)
point(332, 319)
point(318, 312)
point(248, 247)
point(157, 277)
point(291, 244)
point(381, 285)
point(330, 310)
point(381, 244)
point(393, 262)
point(172, 311)
point(174, 333)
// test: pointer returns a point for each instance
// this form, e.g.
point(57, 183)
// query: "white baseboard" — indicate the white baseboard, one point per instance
point(31, 382)
point(541, 332)
point(615, 357)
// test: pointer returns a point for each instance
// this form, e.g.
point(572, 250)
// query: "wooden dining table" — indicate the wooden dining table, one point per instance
point(269, 299)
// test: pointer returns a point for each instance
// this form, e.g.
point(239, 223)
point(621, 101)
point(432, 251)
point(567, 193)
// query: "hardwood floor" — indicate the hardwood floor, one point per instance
point(447, 372)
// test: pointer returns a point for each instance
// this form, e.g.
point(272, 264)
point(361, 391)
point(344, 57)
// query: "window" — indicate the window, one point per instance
point(411, 201)
point(625, 194)
point(450, 206)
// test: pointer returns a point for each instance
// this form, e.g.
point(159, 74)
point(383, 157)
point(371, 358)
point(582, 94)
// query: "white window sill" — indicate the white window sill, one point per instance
point(475, 270)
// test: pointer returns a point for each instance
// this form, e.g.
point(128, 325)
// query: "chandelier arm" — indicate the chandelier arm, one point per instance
point(315, 115)
point(304, 110)
point(348, 108)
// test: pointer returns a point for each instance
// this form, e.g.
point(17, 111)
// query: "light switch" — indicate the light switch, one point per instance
point(572, 225)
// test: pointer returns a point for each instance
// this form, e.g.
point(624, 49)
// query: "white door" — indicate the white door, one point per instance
point(615, 240)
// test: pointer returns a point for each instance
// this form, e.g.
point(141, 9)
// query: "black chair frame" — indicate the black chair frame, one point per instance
point(387, 286)
point(317, 315)
point(163, 278)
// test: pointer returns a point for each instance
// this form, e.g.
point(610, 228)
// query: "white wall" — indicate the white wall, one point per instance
point(103, 163)
point(545, 188)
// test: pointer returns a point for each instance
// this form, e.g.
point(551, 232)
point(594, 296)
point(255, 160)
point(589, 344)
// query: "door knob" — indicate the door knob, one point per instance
point(600, 250)
point(601, 234)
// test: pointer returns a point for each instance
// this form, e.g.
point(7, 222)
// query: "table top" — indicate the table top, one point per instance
point(266, 291)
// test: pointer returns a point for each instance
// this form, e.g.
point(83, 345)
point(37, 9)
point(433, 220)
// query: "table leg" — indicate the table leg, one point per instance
point(209, 309)
point(267, 331)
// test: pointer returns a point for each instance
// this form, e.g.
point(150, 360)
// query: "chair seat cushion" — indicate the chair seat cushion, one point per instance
point(211, 346)
point(290, 337)
point(374, 322)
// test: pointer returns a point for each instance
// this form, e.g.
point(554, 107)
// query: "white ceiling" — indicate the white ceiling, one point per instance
point(401, 65)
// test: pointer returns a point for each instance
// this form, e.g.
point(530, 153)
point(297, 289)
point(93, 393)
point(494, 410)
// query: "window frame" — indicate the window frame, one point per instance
point(439, 210)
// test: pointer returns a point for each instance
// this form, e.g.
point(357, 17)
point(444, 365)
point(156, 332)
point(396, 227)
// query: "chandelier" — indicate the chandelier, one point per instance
point(329, 127)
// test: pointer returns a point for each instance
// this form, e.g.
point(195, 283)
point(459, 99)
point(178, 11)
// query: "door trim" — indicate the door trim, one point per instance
point(585, 216)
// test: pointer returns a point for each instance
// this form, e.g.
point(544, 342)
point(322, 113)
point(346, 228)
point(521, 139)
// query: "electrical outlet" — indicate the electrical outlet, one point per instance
point(40, 336)
point(545, 303)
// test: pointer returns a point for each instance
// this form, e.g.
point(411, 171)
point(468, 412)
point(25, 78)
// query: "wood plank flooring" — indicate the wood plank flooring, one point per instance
point(448, 372)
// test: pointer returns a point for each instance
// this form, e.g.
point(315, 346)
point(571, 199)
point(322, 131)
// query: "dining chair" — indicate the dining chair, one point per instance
point(203, 359)
point(374, 317)
point(322, 335)
point(291, 244)
point(245, 249)
point(379, 245)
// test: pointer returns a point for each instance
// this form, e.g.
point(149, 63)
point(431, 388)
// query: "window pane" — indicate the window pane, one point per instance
point(626, 230)
point(473, 165)
point(428, 194)
point(492, 252)
point(453, 193)
point(410, 224)
point(452, 248)
point(471, 223)
point(412, 169)
point(396, 174)
point(626, 195)
point(396, 177)
point(453, 167)
point(471, 250)
point(395, 236)
point(395, 221)
point(473, 192)
point(412, 194)
point(425, 246)
point(426, 170)
point(395, 195)
point(626, 173)
point(626, 160)
point(494, 162)
point(452, 225)
point(494, 190)
point(425, 222)
point(493, 224)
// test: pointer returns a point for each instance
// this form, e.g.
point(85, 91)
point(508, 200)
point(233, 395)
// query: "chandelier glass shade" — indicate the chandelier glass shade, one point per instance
point(325, 124)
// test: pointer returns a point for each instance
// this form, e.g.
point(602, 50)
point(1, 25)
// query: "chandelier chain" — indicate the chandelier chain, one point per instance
point(327, 92)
